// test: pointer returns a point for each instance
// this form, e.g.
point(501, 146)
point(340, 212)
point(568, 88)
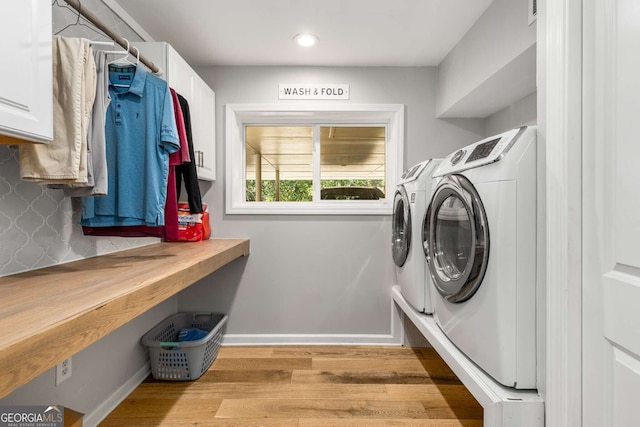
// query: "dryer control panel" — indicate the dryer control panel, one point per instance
point(484, 152)
point(412, 173)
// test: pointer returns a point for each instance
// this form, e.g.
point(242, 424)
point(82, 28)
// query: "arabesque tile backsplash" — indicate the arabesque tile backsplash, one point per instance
point(40, 227)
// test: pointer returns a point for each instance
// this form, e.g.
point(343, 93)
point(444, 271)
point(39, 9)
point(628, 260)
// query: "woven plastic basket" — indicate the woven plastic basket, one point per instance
point(187, 360)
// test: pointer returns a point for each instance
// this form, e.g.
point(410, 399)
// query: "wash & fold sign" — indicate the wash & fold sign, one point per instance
point(313, 91)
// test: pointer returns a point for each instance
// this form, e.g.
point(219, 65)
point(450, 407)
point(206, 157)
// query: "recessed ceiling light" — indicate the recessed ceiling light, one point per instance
point(305, 39)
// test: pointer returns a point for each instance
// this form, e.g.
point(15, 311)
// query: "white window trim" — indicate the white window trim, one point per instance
point(240, 115)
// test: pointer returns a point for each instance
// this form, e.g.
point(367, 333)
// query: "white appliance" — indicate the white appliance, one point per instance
point(409, 207)
point(480, 244)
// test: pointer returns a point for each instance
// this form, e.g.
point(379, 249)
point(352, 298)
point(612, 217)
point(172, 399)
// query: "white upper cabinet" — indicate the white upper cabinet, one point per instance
point(204, 128)
point(26, 85)
point(202, 101)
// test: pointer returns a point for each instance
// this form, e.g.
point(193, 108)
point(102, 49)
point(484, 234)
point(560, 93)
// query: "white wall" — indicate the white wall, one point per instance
point(492, 66)
point(520, 113)
point(317, 278)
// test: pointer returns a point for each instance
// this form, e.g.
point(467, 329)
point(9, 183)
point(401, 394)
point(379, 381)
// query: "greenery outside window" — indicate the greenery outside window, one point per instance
point(312, 159)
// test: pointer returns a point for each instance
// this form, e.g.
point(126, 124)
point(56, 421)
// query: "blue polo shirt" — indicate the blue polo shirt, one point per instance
point(140, 134)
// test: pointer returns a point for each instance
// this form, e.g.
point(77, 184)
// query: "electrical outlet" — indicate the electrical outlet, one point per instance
point(63, 370)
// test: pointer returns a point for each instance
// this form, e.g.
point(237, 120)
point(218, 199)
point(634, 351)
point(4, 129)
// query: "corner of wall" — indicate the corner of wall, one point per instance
point(477, 79)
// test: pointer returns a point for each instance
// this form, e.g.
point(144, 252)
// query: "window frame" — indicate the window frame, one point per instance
point(237, 116)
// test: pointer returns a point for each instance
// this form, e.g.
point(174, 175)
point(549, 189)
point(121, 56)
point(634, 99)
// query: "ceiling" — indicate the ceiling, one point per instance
point(350, 32)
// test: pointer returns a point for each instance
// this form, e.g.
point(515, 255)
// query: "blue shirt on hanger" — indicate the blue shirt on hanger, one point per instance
point(140, 134)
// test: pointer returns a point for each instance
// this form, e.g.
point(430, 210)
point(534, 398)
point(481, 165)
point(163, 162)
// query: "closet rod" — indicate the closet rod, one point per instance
point(116, 37)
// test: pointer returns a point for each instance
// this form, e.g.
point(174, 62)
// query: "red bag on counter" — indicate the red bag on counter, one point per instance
point(193, 227)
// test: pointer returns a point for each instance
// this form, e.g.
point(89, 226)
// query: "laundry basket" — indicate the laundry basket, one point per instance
point(187, 360)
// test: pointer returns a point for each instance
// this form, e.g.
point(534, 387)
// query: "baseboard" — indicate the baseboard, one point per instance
point(394, 338)
point(303, 339)
point(100, 413)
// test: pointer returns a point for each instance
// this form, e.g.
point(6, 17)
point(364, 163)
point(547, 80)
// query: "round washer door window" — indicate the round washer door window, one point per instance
point(401, 231)
point(456, 239)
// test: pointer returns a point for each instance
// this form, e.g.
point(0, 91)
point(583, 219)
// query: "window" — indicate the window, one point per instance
point(312, 159)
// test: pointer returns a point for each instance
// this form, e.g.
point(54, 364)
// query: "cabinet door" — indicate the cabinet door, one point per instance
point(202, 102)
point(203, 120)
point(179, 75)
point(26, 86)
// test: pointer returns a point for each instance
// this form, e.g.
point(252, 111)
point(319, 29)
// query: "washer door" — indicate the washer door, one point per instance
point(456, 239)
point(401, 223)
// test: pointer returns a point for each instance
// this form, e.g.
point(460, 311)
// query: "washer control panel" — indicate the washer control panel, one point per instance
point(484, 152)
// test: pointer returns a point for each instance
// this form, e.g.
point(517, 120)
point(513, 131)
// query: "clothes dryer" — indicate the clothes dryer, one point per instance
point(480, 244)
point(409, 206)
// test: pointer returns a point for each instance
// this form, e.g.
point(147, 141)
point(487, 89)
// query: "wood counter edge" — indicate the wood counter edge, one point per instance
point(28, 356)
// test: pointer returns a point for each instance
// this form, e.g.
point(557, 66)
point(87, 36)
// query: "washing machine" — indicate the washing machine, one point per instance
point(409, 206)
point(479, 238)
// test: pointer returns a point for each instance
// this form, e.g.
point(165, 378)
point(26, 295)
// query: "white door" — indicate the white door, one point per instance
point(611, 213)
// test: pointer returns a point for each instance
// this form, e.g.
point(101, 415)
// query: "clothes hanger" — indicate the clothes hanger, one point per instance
point(127, 53)
point(137, 55)
point(124, 60)
point(79, 22)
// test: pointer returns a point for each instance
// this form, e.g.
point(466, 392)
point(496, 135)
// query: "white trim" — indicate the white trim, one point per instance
point(237, 115)
point(309, 339)
point(394, 338)
point(105, 408)
point(132, 23)
point(560, 117)
point(503, 406)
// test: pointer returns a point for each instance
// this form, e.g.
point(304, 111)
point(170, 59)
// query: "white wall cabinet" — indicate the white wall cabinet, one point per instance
point(26, 85)
point(204, 128)
point(202, 101)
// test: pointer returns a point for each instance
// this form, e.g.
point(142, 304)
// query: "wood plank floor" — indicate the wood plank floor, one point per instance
point(308, 386)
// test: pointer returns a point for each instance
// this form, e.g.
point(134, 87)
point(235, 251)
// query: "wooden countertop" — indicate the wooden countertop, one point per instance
point(49, 314)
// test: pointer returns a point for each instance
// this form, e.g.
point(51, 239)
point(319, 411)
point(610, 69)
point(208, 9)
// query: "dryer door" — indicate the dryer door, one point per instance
point(456, 239)
point(401, 223)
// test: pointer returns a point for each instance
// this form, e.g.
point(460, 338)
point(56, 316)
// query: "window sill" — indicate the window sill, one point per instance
point(359, 207)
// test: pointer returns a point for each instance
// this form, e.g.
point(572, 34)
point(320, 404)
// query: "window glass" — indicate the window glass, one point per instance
point(352, 162)
point(401, 229)
point(453, 238)
point(278, 163)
